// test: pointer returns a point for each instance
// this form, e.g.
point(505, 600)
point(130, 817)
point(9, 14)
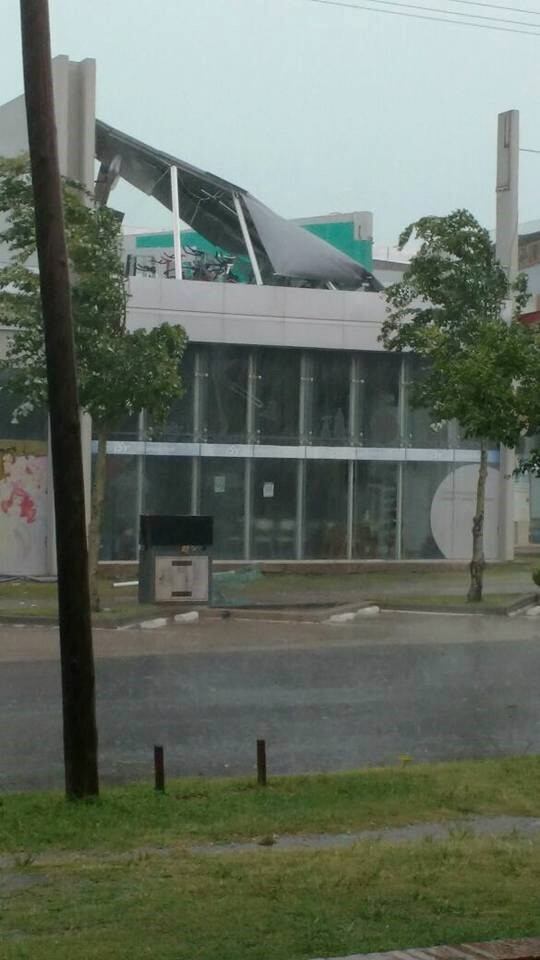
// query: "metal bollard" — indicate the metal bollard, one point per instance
point(261, 763)
point(159, 769)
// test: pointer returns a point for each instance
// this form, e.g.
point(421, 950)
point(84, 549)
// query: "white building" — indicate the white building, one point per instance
point(296, 431)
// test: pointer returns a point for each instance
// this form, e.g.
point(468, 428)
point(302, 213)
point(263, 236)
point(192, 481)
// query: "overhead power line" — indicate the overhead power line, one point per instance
point(456, 13)
point(495, 6)
point(420, 16)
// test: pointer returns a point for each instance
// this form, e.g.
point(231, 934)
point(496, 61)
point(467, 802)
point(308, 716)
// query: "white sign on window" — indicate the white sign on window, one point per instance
point(268, 490)
point(219, 484)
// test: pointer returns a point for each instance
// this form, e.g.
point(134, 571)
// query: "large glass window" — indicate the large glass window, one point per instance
point(222, 497)
point(277, 394)
point(119, 539)
point(325, 533)
point(327, 407)
point(378, 414)
point(167, 485)
point(178, 426)
point(224, 392)
point(375, 510)
point(273, 530)
point(420, 484)
point(420, 428)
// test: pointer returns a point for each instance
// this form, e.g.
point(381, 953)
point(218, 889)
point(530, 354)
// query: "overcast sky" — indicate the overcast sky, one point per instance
point(313, 108)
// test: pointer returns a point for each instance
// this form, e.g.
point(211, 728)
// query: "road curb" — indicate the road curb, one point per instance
point(526, 949)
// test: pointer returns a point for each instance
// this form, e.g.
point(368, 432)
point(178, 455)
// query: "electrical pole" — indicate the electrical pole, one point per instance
point(76, 654)
point(506, 248)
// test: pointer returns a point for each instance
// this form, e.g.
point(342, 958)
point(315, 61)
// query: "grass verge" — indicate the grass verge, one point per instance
point(273, 905)
point(127, 818)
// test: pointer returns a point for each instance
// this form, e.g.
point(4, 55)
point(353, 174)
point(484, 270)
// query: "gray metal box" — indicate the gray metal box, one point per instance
point(181, 579)
point(170, 575)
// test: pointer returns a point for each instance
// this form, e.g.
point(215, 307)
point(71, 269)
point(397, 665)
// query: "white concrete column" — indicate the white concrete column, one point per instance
point(507, 253)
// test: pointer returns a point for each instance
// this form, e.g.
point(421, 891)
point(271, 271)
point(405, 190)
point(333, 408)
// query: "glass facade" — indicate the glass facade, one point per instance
point(274, 514)
point(420, 484)
point(222, 488)
point(378, 404)
point(420, 430)
point(166, 485)
point(328, 398)
point(119, 536)
point(277, 396)
point(178, 426)
point(326, 497)
point(375, 507)
point(223, 379)
point(373, 503)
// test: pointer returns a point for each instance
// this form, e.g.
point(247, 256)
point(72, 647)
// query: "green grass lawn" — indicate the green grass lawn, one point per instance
point(24, 600)
point(119, 881)
point(203, 809)
point(420, 586)
point(273, 905)
point(503, 583)
point(490, 601)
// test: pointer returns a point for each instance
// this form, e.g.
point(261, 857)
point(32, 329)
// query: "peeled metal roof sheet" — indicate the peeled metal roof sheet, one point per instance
point(206, 204)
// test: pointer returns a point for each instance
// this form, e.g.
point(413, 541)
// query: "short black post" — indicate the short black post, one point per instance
point(261, 763)
point(159, 769)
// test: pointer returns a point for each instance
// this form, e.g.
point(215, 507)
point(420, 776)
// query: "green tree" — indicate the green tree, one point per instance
point(120, 371)
point(448, 309)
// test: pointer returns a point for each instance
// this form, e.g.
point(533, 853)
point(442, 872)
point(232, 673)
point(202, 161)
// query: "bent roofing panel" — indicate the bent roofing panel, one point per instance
point(206, 204)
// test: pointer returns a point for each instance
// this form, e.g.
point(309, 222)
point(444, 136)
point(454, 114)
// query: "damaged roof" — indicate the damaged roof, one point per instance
point(282, 248)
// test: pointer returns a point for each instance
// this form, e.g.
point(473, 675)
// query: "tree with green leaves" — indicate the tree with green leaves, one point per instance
point(120, 371)
point(449, 309)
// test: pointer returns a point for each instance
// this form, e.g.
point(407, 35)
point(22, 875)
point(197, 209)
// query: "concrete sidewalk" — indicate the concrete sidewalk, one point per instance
point(473, 826)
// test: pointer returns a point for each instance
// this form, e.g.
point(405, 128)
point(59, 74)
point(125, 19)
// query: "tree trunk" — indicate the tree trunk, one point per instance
point(94, 531)
point(478, 560)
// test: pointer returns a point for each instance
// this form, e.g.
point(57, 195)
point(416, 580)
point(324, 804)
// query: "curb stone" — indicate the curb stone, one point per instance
point(527, 948)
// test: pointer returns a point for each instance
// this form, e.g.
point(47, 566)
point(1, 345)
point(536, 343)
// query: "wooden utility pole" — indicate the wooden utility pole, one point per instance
point(77, 660)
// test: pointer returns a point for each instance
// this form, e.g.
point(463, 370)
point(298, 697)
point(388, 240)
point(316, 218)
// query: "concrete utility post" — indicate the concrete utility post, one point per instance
point(507, 253)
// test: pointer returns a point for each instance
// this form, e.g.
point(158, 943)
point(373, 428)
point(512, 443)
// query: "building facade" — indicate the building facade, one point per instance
point(296, 431)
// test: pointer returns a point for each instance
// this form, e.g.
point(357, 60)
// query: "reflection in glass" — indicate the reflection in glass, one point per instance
point(222, 496)
point(379, 400)
point(178, 427)
point(327, 409)
point(273, 531)
point(167, 485)
point(277, 395)
point(375, 510)
point(420, 484)
point(119, 538)
point(224, 392)
point(421, 430)
point(325, 534)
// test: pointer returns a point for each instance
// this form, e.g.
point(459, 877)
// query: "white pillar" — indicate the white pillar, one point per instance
point(507, 253)
point(177, 243)
point(247, 240)
point(86, 445)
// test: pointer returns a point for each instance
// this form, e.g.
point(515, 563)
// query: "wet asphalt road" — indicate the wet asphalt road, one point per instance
point(325, 699)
